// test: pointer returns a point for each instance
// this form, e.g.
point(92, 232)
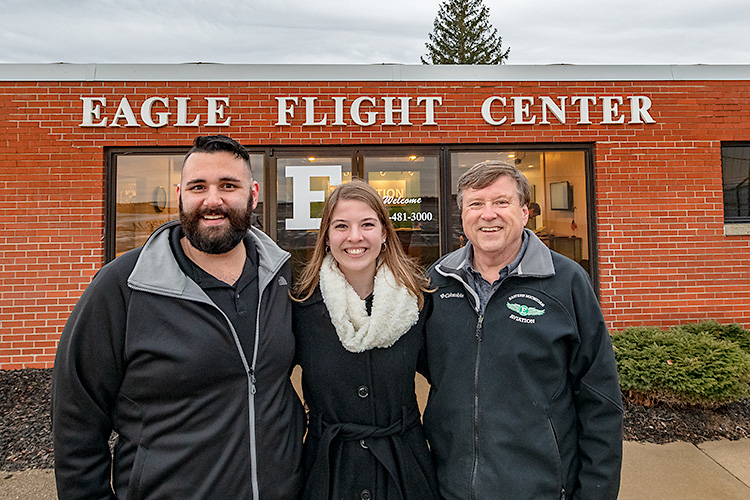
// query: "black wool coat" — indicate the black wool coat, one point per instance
point(365, 438)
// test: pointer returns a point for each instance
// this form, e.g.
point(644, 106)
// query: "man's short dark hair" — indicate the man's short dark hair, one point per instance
point(218, 143)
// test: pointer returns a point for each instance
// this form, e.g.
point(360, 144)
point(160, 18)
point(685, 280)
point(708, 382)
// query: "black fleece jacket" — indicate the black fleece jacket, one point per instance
point(525, 402)
point(146, 354)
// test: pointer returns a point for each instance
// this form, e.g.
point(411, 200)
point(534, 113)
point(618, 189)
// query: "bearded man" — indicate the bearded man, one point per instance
point(183, 349)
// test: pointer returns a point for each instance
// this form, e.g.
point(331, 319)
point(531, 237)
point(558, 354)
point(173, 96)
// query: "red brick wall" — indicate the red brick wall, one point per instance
point(663, 256)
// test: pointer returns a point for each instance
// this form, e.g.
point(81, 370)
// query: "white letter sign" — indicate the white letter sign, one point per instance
point(487, 110)
point(91, 111)
point(285, 109)
point(302, 196)
point(639, 106)
point(146, 112)
point(216, 110)
point(124, 111)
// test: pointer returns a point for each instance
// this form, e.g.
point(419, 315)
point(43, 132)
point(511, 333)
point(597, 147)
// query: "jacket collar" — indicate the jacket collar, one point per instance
point(536, 262)
point(157, 271)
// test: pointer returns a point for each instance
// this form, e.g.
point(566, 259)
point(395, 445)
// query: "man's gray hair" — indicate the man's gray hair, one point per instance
point(486, 173)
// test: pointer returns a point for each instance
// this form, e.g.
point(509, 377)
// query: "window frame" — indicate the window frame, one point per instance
point(357, 153)
point(740, 223)
point(110, 188)
point(590, 174)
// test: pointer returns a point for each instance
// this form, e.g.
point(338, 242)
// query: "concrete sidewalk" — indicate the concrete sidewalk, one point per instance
point(712, 470)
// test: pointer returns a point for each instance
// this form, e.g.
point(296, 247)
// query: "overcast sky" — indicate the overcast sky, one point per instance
point(367, 32)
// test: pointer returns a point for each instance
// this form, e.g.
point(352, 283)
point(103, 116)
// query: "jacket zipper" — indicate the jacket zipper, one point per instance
point(249, 365)
point(478, 333)
point(262, 287)
point(251, 376)
point(250, 373)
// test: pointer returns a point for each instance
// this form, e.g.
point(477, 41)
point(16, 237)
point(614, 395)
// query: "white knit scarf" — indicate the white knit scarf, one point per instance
point(394, 308)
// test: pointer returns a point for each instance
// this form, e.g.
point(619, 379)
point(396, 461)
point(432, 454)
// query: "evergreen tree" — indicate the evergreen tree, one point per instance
point(462, 34)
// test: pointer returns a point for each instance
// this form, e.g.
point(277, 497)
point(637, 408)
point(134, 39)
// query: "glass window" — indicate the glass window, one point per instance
point(409, 187)
point(256, 164)
point(561, 226)
point(146, 195)
point(303, 184)
point(735, 165)
point(142, 194)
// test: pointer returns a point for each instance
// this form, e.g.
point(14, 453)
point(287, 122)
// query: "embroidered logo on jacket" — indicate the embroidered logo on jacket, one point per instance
point(524, 313)
point(282, 281)
point(452, 295)
point(525, 310)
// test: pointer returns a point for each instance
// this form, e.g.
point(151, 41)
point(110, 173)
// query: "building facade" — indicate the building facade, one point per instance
point(641, 172)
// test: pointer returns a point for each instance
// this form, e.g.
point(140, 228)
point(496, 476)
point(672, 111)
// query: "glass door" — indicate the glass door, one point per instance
point(303, 183)
point(409, 188)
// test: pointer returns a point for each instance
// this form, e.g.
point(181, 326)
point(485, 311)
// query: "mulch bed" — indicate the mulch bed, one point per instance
point(663, 424)
point(26, 442)
point(25, 427)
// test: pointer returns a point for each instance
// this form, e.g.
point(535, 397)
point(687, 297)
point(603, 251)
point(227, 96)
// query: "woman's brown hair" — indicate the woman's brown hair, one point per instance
point(406, 271)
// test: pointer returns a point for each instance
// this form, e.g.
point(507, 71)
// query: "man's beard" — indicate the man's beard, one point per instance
point(220, 239)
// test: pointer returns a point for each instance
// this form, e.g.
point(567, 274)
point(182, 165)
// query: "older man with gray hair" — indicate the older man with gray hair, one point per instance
point(525, 401)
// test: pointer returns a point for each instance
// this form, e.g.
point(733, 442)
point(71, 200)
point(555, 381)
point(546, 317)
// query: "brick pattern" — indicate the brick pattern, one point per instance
point(663, 256)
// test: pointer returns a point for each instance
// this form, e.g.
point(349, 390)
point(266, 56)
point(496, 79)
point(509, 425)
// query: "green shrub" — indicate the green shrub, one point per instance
point(681, 366)
point(733, 332)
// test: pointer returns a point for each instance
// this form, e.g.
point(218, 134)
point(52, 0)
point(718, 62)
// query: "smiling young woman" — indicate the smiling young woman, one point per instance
point(358, 325)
